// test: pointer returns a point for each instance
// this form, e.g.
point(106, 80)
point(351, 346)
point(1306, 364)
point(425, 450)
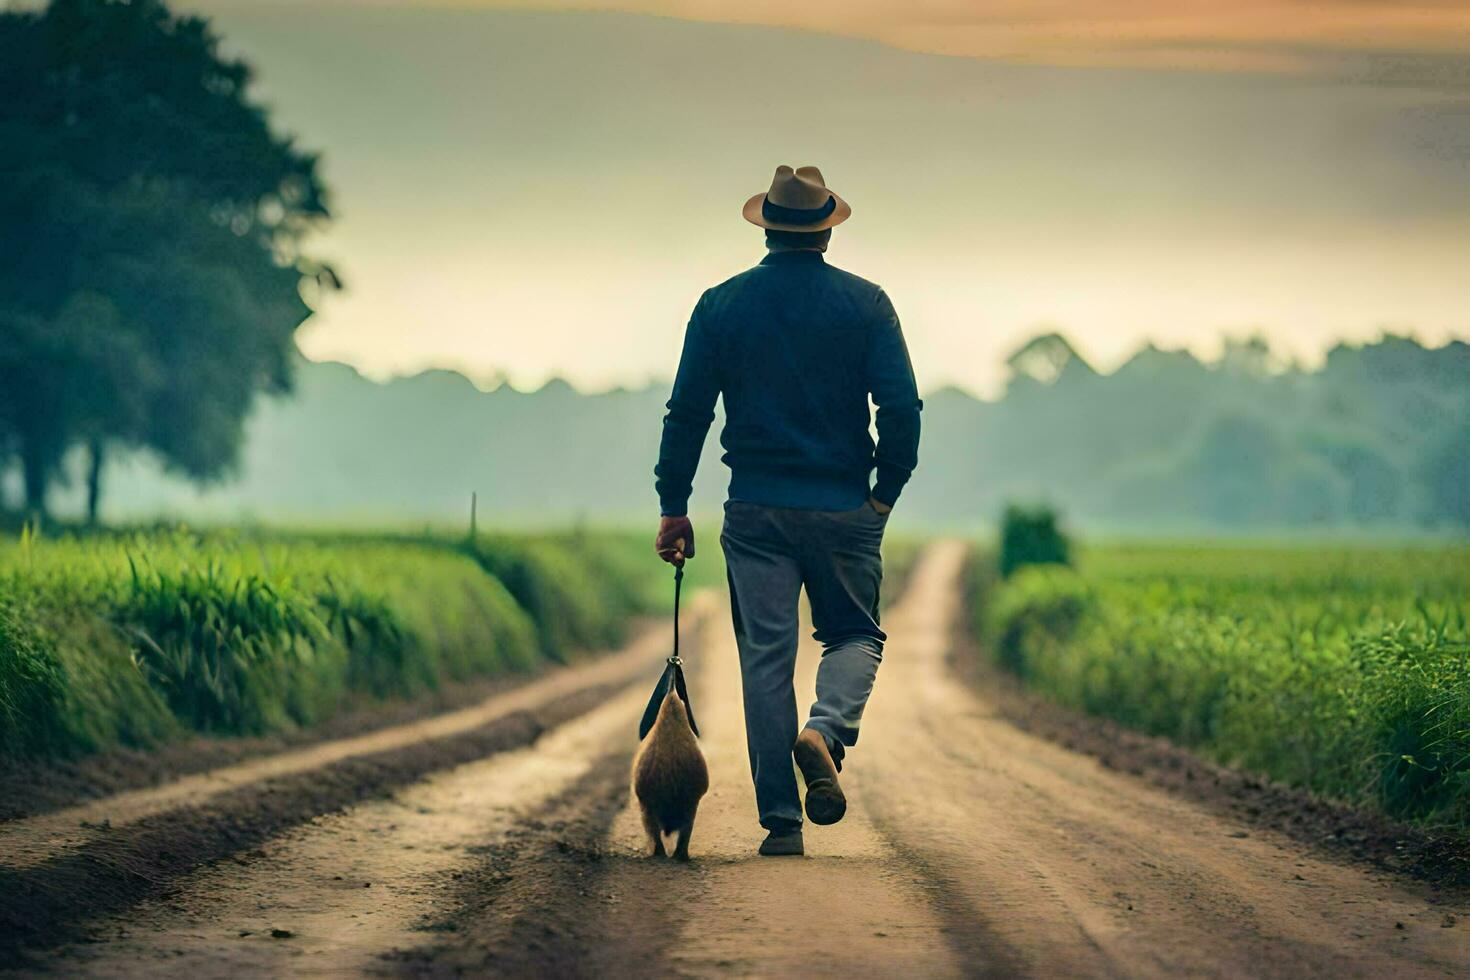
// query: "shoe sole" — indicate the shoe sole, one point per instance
point(825, 803)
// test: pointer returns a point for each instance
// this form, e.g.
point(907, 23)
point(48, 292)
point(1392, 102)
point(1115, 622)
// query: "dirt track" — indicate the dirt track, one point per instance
point(970, 848)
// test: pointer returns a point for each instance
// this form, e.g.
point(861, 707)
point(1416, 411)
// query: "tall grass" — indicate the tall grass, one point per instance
point(1345, 671)
point(133, 638)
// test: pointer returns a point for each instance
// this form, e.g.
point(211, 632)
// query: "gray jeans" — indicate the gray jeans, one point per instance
point(770, 553)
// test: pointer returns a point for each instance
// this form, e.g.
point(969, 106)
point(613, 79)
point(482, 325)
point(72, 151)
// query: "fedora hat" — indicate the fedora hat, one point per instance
point(797, 201)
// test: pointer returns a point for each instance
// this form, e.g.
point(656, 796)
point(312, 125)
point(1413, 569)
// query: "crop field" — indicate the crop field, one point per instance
point(135, 638)
point(1343, 670)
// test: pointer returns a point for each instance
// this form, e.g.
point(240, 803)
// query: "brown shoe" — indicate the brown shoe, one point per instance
point(825, 803)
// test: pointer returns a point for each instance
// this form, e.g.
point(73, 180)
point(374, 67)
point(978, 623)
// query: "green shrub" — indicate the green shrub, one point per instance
point(1031, 537)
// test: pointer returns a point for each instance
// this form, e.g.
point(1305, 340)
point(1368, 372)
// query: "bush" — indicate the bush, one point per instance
point(1031, 537)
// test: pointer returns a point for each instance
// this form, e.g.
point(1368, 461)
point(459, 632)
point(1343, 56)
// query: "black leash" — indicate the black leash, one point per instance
point(673, 676)
point(678, 584)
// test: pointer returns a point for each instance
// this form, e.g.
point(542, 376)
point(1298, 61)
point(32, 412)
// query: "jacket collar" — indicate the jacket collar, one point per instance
point(793, 256)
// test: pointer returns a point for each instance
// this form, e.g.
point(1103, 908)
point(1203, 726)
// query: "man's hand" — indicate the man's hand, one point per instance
point(879, 505)
point(675, 541)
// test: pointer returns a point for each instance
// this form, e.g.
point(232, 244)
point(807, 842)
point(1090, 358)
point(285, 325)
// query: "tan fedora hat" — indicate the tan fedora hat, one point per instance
point(797, 201)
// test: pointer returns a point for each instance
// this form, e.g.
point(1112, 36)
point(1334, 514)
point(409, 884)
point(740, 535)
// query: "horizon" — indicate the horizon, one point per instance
point(1276, 366)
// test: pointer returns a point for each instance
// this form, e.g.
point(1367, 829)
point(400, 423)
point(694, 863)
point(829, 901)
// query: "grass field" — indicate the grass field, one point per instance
point(1339, 669)
point(134, 638)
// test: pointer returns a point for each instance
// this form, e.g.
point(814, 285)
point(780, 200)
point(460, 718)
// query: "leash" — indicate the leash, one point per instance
point(678, 584)
point(673, 678)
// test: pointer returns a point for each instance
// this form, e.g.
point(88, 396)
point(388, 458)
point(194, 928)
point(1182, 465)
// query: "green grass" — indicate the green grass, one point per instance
point(1342, 670)
point(133, 638)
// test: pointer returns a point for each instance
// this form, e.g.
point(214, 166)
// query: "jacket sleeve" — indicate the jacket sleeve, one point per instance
point(691, 410)
point(896, 395)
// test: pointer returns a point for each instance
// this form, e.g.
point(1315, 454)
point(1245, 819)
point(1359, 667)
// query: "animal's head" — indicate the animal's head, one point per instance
point(673, 709)
point(666, 706)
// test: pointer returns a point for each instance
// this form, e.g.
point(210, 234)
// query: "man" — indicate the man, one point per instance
point(796, 347)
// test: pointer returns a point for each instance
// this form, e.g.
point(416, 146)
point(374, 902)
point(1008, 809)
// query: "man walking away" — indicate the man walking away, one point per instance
point(796, 347)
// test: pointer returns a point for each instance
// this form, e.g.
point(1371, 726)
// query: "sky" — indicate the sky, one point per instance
point(527, 193)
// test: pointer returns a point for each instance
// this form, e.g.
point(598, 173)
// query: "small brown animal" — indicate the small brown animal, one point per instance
point(669, 777)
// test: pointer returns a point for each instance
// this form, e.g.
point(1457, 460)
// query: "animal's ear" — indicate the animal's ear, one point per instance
point(683, 691)
point(650, 713)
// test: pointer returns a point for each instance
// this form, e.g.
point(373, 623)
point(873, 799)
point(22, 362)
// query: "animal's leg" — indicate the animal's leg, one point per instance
point(681, 845)
point(655, 834)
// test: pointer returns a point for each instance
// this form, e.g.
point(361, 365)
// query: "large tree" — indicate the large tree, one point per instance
point(151, 222)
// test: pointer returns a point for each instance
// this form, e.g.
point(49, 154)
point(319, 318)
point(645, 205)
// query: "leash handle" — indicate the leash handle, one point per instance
point(678, 583)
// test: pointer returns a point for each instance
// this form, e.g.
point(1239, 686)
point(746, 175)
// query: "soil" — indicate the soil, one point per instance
point(970, 848)
point(1438, 857)
point(64, 867)
point(30, 787)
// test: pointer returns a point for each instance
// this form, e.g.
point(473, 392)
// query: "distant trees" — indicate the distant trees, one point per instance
point(1044, 359)
point(1445, 471)
point(1377, 436)
point(151, 224)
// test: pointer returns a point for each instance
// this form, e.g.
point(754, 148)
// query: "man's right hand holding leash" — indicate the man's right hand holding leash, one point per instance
point(675, 541)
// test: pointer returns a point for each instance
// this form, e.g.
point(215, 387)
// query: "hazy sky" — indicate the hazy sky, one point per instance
point(539, 193)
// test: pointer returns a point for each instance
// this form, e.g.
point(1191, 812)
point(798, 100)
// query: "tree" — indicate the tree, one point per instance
point(1248, 357)
point(1444, 470)
point(151, 222)
point(1044, 359)
point(1236, 467)
point(1375, 487)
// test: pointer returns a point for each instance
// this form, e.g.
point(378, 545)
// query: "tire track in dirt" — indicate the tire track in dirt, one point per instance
point(971, 849)
point(853, 906)
point(61, 869)
point(33, 840)
point(1082, 871)
point(336, 896)
point(586, 901)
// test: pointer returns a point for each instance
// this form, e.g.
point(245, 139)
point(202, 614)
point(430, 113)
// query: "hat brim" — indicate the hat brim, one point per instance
point(752, 213)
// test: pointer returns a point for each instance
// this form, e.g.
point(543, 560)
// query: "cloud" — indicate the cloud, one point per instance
point(1423, 42)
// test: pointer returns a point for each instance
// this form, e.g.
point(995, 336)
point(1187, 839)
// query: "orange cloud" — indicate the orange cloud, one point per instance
point(1253, 35)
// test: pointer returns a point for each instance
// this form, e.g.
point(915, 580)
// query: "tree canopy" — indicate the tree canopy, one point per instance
point(1379, 435)
point(152, 223)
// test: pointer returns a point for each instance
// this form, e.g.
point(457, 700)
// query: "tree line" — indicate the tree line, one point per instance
point(1376, 436)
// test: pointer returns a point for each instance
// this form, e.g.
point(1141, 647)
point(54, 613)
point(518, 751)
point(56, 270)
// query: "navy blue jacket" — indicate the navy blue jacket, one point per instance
point(796, 347)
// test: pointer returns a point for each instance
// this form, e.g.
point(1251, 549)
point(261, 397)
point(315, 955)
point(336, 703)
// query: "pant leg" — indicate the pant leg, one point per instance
point(843, 570)
point(765, 585)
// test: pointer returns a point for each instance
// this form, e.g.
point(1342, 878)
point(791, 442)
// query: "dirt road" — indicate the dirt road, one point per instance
point(970, 848)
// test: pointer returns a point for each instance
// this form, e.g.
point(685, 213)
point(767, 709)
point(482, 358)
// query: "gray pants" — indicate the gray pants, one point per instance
point(770, 553)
